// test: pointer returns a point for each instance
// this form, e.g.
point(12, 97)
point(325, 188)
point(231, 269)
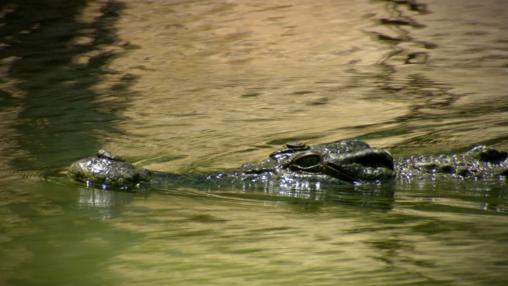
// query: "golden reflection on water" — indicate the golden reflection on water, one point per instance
point(220, 77)
point(215, 83)
point(206, 85)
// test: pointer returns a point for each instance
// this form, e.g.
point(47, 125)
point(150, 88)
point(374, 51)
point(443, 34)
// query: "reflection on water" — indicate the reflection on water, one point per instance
point(205, 85)
point(285, 245)
point(102, 200)
point(188, 237)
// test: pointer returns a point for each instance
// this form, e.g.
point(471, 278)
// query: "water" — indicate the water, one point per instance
point(206, 85)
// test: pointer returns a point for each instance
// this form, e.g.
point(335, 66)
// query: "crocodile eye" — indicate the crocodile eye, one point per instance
point(307, 161)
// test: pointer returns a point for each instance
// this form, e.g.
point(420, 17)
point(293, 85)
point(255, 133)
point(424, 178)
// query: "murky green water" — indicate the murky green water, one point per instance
point(205, 85)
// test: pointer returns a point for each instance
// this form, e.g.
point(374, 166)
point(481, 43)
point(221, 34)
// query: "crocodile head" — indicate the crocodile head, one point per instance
point(346, 160)
point(106, 169)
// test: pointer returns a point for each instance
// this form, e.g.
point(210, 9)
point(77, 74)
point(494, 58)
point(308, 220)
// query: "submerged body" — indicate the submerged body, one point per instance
point(298, 166)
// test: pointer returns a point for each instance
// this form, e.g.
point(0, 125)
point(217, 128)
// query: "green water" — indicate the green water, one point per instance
point(205, 85)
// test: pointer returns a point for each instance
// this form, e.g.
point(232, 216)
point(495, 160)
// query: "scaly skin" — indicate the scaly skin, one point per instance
point(479, 163)
point(298, 166)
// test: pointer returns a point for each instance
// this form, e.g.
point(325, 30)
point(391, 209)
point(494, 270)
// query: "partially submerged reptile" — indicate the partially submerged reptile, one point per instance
point(299, 166)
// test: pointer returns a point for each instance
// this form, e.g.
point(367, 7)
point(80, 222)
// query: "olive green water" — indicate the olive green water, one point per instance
point(206, 85)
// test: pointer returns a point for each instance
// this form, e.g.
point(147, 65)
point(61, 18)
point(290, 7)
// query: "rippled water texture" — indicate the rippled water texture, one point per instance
point(205, 85)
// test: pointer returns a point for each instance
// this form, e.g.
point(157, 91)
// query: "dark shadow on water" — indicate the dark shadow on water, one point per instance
point(56, 62)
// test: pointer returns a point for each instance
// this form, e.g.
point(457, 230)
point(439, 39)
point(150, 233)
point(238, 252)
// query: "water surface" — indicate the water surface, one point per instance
point(206, 85)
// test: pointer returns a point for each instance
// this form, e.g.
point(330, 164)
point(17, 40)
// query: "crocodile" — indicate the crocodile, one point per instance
point(299, 166)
